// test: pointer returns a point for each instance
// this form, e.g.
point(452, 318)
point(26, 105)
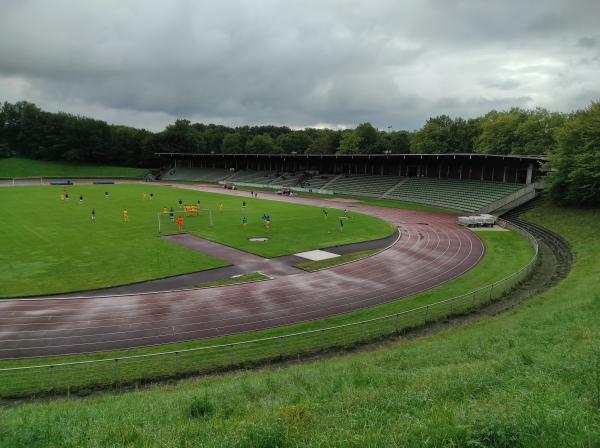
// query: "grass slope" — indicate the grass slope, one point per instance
point(527, 378)
point(15, 167)
point(50, 247)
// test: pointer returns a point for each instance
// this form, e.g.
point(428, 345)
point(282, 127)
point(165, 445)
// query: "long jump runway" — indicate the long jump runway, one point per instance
point(432, 249)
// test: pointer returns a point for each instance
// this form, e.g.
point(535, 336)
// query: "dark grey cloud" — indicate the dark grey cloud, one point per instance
point(299, 63)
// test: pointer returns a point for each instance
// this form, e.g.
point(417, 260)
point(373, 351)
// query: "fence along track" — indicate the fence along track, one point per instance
point(115, 372)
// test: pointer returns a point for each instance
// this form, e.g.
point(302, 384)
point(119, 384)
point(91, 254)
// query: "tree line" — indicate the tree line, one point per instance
point(571, 140)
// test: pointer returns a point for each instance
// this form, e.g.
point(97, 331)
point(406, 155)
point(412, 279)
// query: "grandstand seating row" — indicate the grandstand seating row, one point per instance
point(466, 195)
point(373, 186)
point(197, 174)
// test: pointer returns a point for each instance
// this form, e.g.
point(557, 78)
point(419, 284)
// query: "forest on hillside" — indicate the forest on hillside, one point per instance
point(572, 141)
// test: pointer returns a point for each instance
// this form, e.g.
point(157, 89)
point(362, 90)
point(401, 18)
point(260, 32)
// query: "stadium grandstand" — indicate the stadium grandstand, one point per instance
point(464, 182)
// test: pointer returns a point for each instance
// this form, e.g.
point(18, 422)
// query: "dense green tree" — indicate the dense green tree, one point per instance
point(350, 143)
point(262, 144)
point(400, 142)
point(28, 131)
point(499, 132)
point(392, 143)
point(325, 141)
point(436, 137)
point(233, 144)
point(181, 136)
point(368, 136)
point(294, 141)
point(537, 134)
point(360, 140)
point(575, 164)
point(214, 135)
point(443, 135)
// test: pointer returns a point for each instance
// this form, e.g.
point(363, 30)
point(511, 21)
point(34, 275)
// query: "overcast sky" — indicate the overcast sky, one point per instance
point(298, 63)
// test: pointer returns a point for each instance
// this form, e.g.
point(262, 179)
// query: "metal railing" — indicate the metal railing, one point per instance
point(83, 376)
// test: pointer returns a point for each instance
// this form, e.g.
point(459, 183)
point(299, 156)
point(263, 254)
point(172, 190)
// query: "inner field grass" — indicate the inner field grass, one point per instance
point(521, 379)
point(506, 252)
point(51, 247)
point(17, 167)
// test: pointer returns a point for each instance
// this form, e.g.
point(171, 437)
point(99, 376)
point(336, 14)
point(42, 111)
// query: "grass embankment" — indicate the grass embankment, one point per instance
point(52, 247)
point(15, 167)
point(526, 378)
point(506, 252)
point(245, 278)
point(330, 262)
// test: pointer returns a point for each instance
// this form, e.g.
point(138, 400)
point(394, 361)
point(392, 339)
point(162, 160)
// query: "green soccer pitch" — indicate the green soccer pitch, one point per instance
point(53, 247)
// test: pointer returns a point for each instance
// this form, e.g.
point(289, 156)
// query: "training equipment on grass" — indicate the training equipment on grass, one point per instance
point(189, 211)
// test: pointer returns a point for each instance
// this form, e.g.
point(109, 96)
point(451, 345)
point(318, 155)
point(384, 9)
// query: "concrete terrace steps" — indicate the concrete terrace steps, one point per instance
point(384, 195)
point(466, 195)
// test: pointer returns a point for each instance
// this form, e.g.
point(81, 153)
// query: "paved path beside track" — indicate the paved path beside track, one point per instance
point(432, 250)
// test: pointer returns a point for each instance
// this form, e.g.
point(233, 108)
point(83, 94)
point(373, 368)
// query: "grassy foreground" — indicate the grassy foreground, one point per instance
point(527, 378)
point(15, 167)
point(52, 247)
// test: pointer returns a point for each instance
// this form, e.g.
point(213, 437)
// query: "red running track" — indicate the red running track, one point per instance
point(432, 250)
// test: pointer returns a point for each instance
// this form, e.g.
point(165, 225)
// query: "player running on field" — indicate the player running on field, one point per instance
point(180, 222)
point(245, 223)
point(125, 215)
point(106, 195)
point(62, 198)
point(81, 199)
point(93, 215)
point(171, 215)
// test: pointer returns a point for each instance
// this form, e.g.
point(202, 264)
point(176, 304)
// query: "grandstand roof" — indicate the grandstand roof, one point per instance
point(469, 156)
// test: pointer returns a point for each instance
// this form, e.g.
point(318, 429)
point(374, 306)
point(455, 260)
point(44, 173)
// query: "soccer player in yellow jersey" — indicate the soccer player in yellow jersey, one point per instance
point(125, 215)
point(221, 206)
point(62, 198)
